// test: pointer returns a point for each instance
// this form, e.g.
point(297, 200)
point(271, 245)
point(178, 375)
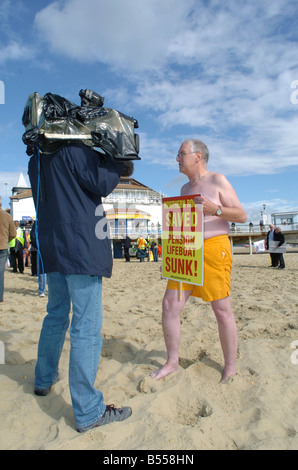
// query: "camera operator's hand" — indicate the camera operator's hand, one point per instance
point(128, 168)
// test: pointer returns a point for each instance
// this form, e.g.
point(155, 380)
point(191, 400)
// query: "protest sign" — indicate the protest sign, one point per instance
point(273, 248)
point(260, 246)
point(182, 240)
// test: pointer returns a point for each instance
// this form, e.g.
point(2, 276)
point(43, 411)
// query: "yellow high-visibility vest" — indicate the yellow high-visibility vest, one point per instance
point(20, 237)
point(141, 243)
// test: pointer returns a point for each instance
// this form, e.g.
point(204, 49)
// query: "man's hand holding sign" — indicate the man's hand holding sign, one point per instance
point(182, 240)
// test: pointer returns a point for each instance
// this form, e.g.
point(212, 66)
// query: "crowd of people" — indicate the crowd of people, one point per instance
point(147, 247)
point(143, 248)
point(275, 250)
point(21, 250)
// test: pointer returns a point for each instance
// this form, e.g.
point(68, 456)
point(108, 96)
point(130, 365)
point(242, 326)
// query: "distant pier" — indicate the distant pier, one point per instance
point(242, 239)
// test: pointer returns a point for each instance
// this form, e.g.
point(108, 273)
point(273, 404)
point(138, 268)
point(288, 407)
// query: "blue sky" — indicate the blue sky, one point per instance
point(225, 72)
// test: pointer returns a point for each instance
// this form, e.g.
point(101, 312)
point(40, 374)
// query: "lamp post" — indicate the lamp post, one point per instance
point(263, 218)
point(264, 215)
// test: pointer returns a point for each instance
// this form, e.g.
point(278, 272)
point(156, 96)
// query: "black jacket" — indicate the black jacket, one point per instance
point(71, 224)
point(279, 237)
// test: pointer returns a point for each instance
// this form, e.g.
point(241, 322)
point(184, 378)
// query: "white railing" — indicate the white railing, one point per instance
point(133, 233)
point(241, 229)
point(245, 228)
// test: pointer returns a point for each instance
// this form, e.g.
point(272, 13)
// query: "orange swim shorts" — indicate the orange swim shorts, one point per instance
point(217, 271)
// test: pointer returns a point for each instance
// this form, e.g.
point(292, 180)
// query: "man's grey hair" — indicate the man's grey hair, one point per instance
point(199, 146)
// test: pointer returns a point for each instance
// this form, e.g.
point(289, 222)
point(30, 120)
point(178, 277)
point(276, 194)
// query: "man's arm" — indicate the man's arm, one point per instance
point(229, 203)
point(94, 172)
point(281, 239)
point(233, 214)
point(11, 231)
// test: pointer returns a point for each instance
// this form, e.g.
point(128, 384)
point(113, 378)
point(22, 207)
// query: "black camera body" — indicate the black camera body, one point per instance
point(53, 121)
point(91, 98)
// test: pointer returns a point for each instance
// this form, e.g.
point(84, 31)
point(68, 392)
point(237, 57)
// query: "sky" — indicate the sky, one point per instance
point(222, 71)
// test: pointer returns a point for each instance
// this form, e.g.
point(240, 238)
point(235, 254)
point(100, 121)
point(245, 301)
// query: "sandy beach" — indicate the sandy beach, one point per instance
point(188, 410)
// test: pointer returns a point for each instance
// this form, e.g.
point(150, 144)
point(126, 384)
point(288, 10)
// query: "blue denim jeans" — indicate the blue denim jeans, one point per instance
point(3, 258)
point(155, 253)
point(42, 278)
point(84, 292)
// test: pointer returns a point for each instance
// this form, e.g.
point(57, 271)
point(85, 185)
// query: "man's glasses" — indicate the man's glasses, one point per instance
point(182, 154)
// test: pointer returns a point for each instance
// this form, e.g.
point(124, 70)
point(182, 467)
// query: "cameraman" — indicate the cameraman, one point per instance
point(67, 187)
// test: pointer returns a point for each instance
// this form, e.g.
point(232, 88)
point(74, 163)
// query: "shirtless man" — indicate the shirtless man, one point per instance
point(220, 205)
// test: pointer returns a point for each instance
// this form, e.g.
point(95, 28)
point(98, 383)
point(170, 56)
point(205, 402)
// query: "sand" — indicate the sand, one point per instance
point(188, 410)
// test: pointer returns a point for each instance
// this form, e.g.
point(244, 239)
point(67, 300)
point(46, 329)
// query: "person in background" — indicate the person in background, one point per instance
point(154, 248)
point(16, 249)
point(159, 250)
point(126, 243)
point(270, 238)
point(26, 250)
point(279, 237)
point(142, 245)
point(7, 233)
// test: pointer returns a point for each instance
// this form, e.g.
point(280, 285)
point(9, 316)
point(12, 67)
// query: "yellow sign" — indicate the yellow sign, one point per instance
point(182, 240)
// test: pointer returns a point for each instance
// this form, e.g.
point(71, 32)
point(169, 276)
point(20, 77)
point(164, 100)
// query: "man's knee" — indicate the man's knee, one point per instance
point(222, 309)
point(171, 305)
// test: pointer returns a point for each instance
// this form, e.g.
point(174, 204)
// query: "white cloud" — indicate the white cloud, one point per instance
point(220, 71)
point(122, 33)
point(12, 46)
point(250, 125)
point(254, 208)
point(15, 51)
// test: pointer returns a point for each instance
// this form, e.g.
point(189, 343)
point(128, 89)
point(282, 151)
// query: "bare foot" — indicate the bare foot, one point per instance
point(227, 379)
point(163, 371)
